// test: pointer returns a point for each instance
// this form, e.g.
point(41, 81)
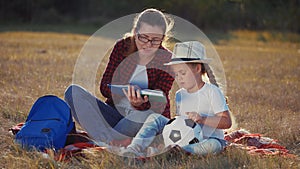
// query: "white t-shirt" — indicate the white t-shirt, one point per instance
point(207, 101)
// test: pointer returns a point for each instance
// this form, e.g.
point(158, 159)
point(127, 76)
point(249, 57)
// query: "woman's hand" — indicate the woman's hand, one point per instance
point(134, 96)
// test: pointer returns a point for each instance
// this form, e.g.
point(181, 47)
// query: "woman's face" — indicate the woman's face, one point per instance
point(148, 38)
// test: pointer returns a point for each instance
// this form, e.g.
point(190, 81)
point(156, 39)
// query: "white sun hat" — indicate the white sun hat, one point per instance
point(188, 52)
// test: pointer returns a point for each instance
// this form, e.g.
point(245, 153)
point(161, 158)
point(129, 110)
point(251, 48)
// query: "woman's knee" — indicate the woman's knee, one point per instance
point(72, 92)
point(73, 88)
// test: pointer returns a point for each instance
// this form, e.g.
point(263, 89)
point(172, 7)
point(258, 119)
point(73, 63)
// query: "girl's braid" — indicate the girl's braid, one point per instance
point(210, 74)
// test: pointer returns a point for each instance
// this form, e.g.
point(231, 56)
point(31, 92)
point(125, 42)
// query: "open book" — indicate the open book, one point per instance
point(153, 95)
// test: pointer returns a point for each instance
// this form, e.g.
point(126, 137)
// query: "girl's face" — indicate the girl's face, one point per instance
point(148, 38)
point(187, 77)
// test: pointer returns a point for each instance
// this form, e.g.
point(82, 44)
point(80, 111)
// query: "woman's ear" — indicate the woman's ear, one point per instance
point(135, 31)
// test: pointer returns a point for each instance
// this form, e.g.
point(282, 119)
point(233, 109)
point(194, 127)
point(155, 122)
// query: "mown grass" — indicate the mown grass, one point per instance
point(263, 89)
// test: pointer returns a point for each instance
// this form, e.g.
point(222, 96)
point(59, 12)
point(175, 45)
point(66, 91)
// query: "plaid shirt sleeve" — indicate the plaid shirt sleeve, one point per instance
point(165, 84)
point(115, 59)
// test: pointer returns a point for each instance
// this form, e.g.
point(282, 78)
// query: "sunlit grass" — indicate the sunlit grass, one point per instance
point(262, 71)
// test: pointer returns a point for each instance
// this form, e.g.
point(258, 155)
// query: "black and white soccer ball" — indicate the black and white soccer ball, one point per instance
point(181, 131)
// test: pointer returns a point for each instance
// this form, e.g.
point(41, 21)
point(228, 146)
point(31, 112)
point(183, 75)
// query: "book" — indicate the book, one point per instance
point(153, 95)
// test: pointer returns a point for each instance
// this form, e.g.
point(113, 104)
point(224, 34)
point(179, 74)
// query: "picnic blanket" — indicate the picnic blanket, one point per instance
point(254, 143)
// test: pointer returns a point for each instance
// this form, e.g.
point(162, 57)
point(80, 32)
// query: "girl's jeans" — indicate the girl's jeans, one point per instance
point(154, 125)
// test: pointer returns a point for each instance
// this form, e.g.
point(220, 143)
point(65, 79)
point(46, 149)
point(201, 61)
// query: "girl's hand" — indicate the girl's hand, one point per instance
point(194, 116)
point(133, 94)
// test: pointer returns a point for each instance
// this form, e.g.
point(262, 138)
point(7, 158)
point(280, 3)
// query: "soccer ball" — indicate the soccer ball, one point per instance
point(181, 131)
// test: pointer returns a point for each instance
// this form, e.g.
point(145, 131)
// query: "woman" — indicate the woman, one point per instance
point(137, 61)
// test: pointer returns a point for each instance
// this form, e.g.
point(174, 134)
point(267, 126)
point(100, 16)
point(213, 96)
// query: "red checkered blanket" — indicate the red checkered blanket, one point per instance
point(254, 144)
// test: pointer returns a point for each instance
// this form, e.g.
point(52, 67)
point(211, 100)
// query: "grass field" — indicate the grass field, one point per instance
point(262, 71)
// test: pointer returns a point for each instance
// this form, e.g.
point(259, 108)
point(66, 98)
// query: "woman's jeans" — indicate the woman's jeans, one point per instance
point(154, 125)
point(101, 121)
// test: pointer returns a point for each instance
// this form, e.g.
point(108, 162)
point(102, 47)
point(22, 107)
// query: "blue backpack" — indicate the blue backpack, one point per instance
point(47, 125)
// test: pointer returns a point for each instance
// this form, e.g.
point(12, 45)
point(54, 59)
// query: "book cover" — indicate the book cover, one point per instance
point(153, 95)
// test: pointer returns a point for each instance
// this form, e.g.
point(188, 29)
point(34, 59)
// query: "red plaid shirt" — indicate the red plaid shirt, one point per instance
point(120, 69)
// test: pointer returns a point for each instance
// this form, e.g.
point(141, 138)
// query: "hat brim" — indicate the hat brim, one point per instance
point(190, 61)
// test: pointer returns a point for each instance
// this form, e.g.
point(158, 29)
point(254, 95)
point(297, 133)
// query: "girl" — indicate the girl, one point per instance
point(202, 102)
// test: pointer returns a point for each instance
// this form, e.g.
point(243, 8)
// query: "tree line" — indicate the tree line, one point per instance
point(283, 15)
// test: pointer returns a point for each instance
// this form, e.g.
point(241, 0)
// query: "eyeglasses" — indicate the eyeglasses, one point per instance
point(154, 42)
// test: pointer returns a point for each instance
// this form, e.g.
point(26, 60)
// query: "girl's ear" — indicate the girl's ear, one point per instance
point(198, 68)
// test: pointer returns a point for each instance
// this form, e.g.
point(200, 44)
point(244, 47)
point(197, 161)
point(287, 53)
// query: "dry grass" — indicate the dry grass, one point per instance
point(262, 71)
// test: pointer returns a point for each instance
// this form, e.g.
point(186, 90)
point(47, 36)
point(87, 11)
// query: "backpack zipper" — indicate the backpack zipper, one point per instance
point(47, 119)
